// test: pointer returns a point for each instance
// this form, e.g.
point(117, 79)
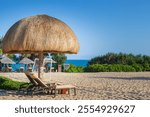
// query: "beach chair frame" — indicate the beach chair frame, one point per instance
point(38, 86)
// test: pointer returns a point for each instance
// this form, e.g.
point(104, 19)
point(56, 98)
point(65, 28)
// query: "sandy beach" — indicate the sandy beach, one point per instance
point(91, 86)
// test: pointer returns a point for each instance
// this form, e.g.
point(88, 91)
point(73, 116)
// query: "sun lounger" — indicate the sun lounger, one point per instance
point(28, 74)
point(61, 89)
point(42, 87)
point(21, 69)
point(7, 69)
point(38, 86)
point(32, 85)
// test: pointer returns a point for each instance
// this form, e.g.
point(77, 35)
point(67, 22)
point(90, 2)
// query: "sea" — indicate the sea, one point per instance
point(82, 63)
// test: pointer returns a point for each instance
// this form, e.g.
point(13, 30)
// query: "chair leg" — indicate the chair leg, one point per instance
point(69, 91)
point(75, 91)
point(54, 92)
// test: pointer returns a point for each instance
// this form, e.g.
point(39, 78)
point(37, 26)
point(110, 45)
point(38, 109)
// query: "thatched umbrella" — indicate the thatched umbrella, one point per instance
point(40, 34)
point(7, 60)
point(26, 61)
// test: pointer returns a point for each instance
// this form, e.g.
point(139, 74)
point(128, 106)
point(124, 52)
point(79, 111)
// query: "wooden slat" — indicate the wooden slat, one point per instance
point(65, 87)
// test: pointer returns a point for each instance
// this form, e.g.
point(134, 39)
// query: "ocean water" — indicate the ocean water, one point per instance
point(83, 63)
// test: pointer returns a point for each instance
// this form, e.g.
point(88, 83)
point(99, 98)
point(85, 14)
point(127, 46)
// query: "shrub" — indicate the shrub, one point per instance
point(6, 83)
point(74, 69)
point(109, 68)
point(138, 67)
point(146, 67)
point(127, 68)
point(119, 62)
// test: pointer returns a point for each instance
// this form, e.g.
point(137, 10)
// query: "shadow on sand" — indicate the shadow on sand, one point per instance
point(125, 78)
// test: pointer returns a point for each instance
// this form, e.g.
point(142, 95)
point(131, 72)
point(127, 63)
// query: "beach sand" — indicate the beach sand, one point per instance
point(91, 86)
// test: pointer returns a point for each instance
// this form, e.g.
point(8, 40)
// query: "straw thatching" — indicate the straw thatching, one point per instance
point(26, 61)
point(40, 33)
point(7, 60)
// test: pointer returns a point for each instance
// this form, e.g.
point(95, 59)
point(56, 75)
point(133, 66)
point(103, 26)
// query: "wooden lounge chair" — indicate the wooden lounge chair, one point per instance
point(61, 89)
point(23, 88)
point(28, 74)
point(21, 69)
point(7, 69)
point(47, 88)
point(39, 86)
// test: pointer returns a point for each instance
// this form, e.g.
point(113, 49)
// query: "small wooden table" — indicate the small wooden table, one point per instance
point(63, 88)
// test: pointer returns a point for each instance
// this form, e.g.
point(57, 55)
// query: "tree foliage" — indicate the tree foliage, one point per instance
point(12, 56)
point(121, 58)
point(75, 69)
point(119, 62)
point(110, 68)
point(59, 58)
point(1, 52)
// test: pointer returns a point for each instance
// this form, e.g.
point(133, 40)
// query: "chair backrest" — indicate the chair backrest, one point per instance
point(28, 74)
point(38, 80)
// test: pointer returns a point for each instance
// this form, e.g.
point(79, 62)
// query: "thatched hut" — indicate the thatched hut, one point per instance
point(40, 34)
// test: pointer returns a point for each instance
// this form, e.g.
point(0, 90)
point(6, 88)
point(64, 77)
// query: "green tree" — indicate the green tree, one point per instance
point(121, 58)
point(1, 52)
point(12, 56)
point(24, 55)
point(59, 58)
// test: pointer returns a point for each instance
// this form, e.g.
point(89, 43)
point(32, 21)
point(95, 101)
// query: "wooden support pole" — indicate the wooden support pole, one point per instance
point(40, 64)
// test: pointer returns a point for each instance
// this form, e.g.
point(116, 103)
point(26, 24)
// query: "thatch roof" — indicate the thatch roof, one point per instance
point(6, 60)
point(40, 33)
point(26, 61)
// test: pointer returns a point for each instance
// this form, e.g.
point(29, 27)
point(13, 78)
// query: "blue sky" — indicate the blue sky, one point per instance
point(101, 26)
